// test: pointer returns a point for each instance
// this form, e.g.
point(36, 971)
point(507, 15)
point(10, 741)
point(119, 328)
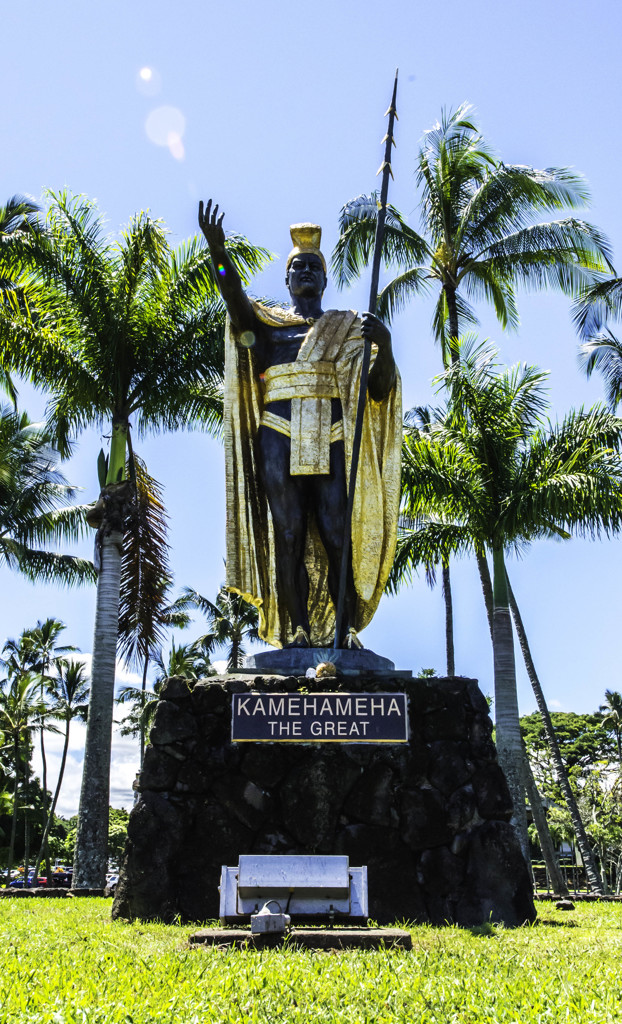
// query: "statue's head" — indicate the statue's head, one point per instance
point(306, 266)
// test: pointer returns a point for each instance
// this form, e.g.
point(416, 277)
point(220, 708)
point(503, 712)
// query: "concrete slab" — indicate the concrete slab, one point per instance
point(306, 938)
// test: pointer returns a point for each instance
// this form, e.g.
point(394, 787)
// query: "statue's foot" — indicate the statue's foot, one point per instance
point(351, 641)
point(301, 638)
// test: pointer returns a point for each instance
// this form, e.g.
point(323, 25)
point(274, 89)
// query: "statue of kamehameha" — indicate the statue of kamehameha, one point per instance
point(292, 380)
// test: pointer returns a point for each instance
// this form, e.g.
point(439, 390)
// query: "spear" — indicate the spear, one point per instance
point(385, 168)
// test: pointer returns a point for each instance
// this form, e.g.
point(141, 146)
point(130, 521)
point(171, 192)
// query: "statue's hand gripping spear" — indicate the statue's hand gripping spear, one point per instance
point(385, 168)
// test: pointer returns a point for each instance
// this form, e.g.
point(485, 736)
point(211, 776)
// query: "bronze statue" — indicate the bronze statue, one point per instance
point(290, 400)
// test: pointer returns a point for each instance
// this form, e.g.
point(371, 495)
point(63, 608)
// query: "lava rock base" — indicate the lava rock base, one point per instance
point(430, 818)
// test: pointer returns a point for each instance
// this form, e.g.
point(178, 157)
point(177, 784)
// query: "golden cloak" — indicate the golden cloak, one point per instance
point(336, 337)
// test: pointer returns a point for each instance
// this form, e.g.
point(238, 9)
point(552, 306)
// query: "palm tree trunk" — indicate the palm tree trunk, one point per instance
point(546, 843)
point(91, 855)
point(25, 783)
point(594, 879)
point(539, 817)
point(13, 816)
point(44, 781)
point(508, 737)
point(449, 622)
point(50, 818)
point(142, 713)
point(484, 575)
point(234, 657)
point(452, 310)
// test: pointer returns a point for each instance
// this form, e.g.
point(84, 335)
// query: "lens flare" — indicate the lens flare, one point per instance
point(165, 126)
point(176, 146)
point(247, 339)
point(148, 81)
point(221, 270)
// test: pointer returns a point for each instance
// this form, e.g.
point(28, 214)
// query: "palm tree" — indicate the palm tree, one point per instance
point(17, 214)
point(128, 333)
point(68, 693)
point(612, 709)
point(21, 709)
point(34, 498)
point(38, 649)
point(493, 478)
point(560, 769)
point(481, 237)
point(189, 661)
point(230, 620)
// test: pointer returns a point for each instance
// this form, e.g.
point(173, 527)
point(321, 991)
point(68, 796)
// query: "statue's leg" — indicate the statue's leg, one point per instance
point(330, 500)
point(288, 500)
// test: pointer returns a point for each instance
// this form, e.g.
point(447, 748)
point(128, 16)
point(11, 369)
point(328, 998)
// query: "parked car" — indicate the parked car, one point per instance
point(62, 879)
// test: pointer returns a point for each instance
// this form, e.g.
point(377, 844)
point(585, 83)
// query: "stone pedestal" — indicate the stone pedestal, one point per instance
point(429, 818)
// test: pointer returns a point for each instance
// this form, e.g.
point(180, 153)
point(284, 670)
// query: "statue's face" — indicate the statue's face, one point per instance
point(306, 276)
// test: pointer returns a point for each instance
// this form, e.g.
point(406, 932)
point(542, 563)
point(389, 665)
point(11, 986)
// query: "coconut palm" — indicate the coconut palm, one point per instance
point(67, 692)
point(39, 650)
point(35, 507)
point(188, 661)
point(481, 234)
point(21, 710)
point(559, 767)
point(481, 238)
point(492, 479)
point(17, 214)
point(612, 709)
point(125, 334)
point(230, 621)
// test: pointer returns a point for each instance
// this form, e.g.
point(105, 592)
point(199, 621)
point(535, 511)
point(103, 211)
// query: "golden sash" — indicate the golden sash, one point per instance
point(310, 386)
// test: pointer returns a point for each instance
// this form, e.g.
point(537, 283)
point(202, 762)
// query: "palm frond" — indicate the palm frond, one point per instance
point(46, 566)
point(145, 572)
point(401, 246)
point(604, 354)
point(595, 305)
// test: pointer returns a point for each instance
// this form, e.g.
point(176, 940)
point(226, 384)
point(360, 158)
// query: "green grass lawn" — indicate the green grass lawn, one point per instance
point(64, 961)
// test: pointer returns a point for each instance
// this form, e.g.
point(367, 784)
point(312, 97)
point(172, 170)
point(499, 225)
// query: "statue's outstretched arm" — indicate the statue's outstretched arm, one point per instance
point(236, 300)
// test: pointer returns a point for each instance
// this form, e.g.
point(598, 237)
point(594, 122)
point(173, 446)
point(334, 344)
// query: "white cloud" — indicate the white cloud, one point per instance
point(122, 676)
point(123, 767)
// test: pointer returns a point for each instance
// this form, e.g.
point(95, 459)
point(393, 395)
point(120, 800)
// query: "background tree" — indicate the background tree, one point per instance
point(612, 710)
point(67, 692)
point(21, 709)
point(35, 505)
point(592, 768)
point(495, 477)
point(584, 743)
point(231, 621)
point(124, 332)
point(38, 649)
point(188, 661)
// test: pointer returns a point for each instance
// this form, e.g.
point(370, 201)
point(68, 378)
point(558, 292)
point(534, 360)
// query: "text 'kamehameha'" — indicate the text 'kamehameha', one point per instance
point(320, 718)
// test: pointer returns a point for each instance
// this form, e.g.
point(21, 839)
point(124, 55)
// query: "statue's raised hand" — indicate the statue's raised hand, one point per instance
point(211, 225)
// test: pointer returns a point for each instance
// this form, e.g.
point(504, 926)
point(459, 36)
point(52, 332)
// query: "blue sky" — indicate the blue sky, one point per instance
point(277, 112)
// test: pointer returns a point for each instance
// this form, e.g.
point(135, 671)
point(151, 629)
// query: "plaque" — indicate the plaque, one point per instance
point(319, 718)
